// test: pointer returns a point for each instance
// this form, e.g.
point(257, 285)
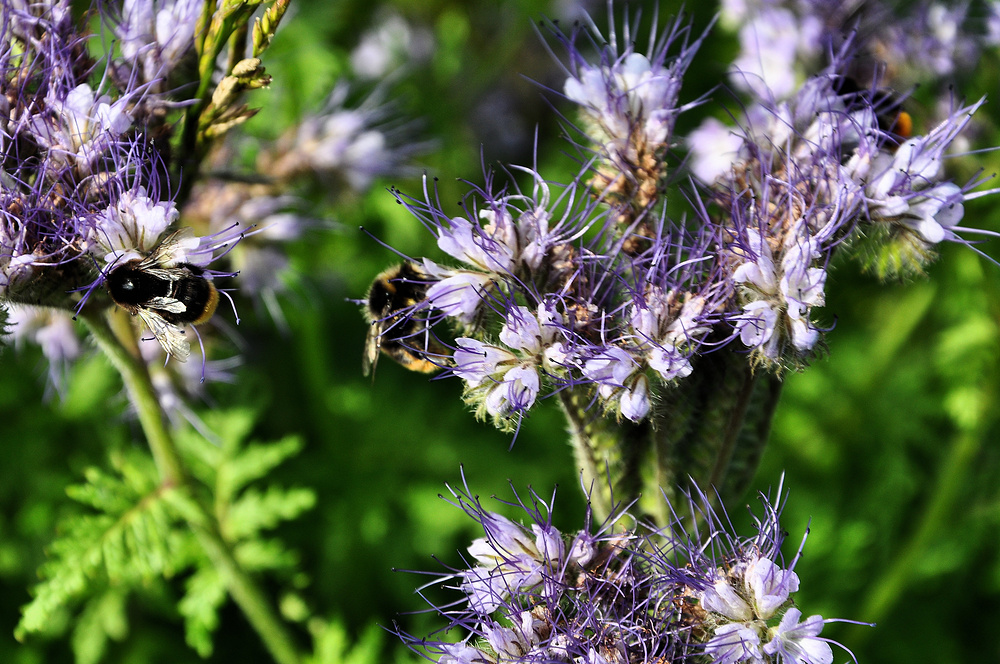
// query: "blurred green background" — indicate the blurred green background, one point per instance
point(889, 442)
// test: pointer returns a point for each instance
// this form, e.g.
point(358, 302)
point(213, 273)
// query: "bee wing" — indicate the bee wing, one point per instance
point(170, 336)
point(372, 347)
point(168, 304)
point(165, 252)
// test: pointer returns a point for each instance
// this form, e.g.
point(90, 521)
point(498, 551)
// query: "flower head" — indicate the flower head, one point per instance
point(157, 35)
point(629, 103)
point(602, 597)
point(633, 298)
point(343, 144)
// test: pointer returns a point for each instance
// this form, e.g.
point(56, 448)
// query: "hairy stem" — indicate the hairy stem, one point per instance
point(609, 453)
point(708, 429)
point(142, 395)
point(241, 586)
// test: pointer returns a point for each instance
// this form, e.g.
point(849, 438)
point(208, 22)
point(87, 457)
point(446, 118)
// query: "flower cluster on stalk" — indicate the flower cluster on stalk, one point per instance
point(617, 592)
point(782, 41)
point(597, 287)
point(103, 158)
point(85, 187)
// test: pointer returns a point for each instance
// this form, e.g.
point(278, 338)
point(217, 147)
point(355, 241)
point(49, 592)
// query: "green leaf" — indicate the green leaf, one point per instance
point(130, 540)
point(257, 510)
point(244, 510)
point(331, 644)
point(253, 463)
point(200, 607)
point(103, 618)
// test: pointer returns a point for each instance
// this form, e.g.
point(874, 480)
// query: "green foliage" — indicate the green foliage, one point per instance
point(332, 644)
point(870, 438)
point(129, 538)
point(133, 537)
point(244, 512)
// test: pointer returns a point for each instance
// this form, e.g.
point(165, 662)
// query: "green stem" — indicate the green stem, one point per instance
point(143, 397)
point(608, 452)
point(708, 430)
point(241, 586)
point(248, 595)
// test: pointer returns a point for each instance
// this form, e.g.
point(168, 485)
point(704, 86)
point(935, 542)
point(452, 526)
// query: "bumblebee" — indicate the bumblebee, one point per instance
point(888, 107)
point(403, 336)
point(165, 294)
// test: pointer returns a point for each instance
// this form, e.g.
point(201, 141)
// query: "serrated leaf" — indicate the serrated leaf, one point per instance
point(254, 462)
point(244, 511)
point(129, 543)
point(200, 607)
point(256, 510)
point(332, 645)
point(103, 618)
point(260, 555)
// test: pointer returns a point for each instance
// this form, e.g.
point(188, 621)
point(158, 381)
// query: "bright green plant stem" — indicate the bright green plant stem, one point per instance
point(241, 586)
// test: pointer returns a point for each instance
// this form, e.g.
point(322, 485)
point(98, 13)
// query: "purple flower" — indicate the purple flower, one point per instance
point(131, 227)
point(629, 99)
point(629, 104)
point(79, 126)
point(390, 45)
point(516, 392)
point(66, 150)
point(930, 41)
point(713, 147)
point(734, 643)
point(157, 35)
point(905, 188)
point(53, 331)
point(512, 246)
point(634, 298)
point(615, 372)
point(538, 595)
point(798, 643)
point(343, 144)
point(508, 380)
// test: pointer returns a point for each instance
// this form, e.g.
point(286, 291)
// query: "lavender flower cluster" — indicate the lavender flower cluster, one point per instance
point(591, 284)
point(617, 593)
point(104, 157)
point(86, 182)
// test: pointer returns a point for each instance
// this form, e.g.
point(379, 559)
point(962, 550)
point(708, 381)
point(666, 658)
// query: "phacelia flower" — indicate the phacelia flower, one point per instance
point(343, 145)
point(53, 331)
point(157, 35)
point(629, 104)
point(391, 44)
point(635, 298)
point(507, 379)
point(620, 593)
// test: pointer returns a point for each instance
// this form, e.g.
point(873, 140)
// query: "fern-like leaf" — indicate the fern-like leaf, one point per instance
point(103, 618)
point(332, 645)
point(128, 541)
point(206, 593)
point(245, 509)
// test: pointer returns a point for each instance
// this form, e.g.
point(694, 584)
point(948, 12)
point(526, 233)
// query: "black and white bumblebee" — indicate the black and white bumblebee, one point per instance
point(165, 293)
point(395, 328)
